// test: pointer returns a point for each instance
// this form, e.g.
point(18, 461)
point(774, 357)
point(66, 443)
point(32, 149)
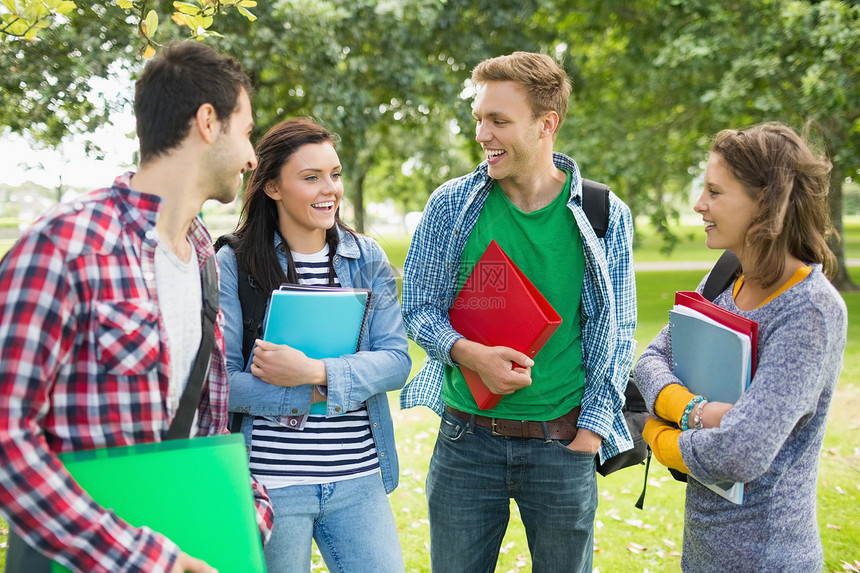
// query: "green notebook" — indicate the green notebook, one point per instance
point(196, 492)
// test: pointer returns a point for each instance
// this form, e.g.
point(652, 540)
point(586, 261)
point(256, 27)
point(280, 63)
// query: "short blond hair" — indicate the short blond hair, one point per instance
point(546, 83)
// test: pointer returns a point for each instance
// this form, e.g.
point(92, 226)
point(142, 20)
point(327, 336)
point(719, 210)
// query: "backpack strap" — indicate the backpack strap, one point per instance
point(180, 427)
point(595, 203)
point(253, 304)
point(724, 272)
point(252, 301)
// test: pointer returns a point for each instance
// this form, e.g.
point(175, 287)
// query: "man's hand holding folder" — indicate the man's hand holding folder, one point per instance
point(502, 312)
point(503, 370)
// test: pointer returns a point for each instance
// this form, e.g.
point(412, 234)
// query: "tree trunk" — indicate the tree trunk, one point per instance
point(841, 280)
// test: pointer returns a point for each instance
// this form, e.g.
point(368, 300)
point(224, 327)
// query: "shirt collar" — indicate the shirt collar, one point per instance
point(139, 213)
point(347, 246)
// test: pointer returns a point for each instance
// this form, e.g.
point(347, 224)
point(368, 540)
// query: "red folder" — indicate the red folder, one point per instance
point(499, 306)
point(695, 301)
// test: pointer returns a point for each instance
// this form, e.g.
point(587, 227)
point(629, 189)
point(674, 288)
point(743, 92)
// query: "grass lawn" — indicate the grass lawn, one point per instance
point(627, 539)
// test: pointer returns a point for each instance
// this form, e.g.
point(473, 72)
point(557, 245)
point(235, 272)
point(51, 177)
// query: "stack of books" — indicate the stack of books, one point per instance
point(714, 355)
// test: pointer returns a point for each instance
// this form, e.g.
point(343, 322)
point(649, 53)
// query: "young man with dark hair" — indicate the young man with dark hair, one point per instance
point(100, 305)
point(558, 411)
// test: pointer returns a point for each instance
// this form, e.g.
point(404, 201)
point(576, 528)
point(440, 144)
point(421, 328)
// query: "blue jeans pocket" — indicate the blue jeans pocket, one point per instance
point(584, 456)
point(451, 427)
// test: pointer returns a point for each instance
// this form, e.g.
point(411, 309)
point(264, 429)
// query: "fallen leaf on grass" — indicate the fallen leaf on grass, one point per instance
point(831, 526)
point(636, 548)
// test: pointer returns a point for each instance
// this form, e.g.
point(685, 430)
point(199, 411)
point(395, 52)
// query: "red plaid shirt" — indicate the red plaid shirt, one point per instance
point(83, 365)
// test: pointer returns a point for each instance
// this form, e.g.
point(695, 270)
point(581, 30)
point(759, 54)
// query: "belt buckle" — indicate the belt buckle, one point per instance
point(493, 427)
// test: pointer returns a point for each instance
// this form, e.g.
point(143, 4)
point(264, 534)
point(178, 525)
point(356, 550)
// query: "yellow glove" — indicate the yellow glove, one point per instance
point(663, 440)
point(671, 402)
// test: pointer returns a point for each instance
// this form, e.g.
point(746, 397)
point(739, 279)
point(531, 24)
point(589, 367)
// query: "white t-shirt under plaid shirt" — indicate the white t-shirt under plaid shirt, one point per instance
point(325, 450)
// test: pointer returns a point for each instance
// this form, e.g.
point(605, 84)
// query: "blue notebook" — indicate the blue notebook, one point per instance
point(197, 492)
point(711, 360)
point(322, 322)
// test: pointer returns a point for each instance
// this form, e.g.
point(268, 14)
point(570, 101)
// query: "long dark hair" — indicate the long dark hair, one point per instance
point(258, 221)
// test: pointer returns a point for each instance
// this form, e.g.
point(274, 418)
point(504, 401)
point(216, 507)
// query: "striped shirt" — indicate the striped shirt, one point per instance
point(325, 450)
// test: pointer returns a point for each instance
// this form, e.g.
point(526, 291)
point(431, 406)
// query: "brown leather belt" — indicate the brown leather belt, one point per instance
point(562, 428)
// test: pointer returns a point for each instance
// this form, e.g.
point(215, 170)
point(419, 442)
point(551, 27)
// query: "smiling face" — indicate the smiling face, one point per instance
point(308, 194)
point(726, 208)
point(507, 130)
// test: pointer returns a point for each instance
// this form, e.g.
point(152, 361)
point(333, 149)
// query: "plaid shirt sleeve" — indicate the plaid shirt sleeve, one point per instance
point(430, 281)
point(39, 499)
point(609, 346)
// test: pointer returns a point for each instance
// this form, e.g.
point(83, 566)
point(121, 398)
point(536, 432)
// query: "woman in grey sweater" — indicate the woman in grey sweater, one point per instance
point(765, 198)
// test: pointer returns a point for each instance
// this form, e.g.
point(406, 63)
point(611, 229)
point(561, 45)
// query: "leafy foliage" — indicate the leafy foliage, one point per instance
point(653, 80)
point(23, 19)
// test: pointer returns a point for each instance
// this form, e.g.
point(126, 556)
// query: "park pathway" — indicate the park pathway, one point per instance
point(696, 265)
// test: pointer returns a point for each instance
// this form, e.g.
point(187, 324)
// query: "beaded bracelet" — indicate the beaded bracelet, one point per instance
point(697, 419)
point(688, 409)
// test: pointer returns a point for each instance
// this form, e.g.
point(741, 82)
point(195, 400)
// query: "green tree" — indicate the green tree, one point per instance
point(50, 49)
point(382, 75)
point(660, 77)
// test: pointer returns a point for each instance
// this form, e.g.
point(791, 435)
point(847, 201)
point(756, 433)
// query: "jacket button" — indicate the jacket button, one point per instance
point(295, 411)
point(337, 409)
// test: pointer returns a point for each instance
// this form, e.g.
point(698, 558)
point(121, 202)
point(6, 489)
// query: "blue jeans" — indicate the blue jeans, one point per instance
point(472, 477)
point(350, 520)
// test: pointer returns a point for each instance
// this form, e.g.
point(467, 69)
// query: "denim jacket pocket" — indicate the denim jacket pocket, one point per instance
point(128, 337)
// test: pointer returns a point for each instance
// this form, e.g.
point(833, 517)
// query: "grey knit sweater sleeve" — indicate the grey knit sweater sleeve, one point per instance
point(769, 440)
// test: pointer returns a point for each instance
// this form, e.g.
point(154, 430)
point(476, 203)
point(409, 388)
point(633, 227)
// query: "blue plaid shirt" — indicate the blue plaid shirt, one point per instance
point(608, 299)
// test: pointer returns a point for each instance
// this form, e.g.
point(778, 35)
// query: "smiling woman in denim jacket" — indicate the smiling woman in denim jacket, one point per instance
point(319, 432)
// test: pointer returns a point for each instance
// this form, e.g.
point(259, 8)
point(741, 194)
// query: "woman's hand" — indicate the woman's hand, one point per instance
point(713, 412)
point(282, 365)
